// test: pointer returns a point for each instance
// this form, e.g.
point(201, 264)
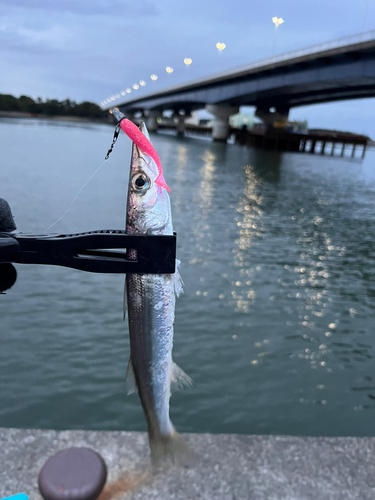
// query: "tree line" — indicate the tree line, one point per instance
point(51, 107)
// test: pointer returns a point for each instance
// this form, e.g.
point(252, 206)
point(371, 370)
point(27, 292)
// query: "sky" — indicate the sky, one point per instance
point(92, 49)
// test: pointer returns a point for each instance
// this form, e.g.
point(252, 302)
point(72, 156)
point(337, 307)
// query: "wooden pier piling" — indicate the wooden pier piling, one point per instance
point(283, 140)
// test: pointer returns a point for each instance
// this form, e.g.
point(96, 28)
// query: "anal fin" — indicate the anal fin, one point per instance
point(125, 308)
point(179, 379)
point(130, 383)
point(178, 283)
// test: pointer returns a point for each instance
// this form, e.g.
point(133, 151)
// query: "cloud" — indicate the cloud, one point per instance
point(90, 49)
point(87, 7)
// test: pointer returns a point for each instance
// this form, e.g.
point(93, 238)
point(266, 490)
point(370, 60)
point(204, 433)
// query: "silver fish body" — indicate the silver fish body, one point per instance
point(151, 309)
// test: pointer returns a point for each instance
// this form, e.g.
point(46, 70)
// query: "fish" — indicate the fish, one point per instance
point(150, 304)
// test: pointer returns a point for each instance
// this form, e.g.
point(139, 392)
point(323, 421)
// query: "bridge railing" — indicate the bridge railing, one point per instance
point(313, 49)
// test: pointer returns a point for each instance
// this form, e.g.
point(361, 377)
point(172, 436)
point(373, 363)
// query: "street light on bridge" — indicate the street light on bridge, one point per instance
point(154, 77)
point(277, 21)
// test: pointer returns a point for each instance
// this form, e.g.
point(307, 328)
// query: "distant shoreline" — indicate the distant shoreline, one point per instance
point(22, 114)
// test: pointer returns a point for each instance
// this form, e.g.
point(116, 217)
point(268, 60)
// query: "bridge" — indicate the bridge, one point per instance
point(337, 70)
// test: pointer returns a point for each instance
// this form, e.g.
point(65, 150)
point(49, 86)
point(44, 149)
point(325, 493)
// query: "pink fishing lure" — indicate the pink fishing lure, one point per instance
point(133, 132)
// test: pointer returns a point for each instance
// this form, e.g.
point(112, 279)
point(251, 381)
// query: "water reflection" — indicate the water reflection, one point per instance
point(267, 166)
point(250, 225)
point(203, 199)
point(317, 277)
point(180, 175)
point(312, 280)
point(206, 187)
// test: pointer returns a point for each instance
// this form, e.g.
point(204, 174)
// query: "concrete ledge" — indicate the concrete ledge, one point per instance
point(230, 467)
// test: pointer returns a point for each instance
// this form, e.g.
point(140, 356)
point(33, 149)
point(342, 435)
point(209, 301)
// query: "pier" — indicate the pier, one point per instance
point(323, 142)
point(313, 142)
point(226, 466)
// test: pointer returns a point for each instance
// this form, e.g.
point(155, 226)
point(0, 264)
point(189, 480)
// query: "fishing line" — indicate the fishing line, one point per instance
point(115, 137)
point(76, 196)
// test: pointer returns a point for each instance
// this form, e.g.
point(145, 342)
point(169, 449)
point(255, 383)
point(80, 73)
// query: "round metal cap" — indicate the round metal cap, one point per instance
point(73, 474)
point(8, 276)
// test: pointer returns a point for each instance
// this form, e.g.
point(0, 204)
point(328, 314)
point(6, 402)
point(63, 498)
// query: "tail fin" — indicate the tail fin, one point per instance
point(170, 448)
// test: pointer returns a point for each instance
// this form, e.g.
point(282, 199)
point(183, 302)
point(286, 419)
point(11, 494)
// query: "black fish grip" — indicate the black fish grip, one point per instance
point(101, 251)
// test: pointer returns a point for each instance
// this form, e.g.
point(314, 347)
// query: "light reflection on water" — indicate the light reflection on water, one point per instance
point(250, 226)
point(276, 323)
point(207, 185)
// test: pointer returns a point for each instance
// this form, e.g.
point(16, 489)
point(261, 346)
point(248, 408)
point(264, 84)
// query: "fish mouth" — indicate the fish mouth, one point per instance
point(117, 114)
point(120, 116)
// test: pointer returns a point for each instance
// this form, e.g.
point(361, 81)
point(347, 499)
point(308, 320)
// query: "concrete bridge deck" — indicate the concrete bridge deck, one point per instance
point(337, 70)
point(226, 467)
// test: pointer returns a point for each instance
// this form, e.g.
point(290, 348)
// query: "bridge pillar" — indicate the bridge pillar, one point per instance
point(180, 119)
point(273, 116)
point(220, 129)
point(152, 120)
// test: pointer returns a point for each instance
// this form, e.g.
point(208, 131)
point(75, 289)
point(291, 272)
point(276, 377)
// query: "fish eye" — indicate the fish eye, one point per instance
point(140, 182)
